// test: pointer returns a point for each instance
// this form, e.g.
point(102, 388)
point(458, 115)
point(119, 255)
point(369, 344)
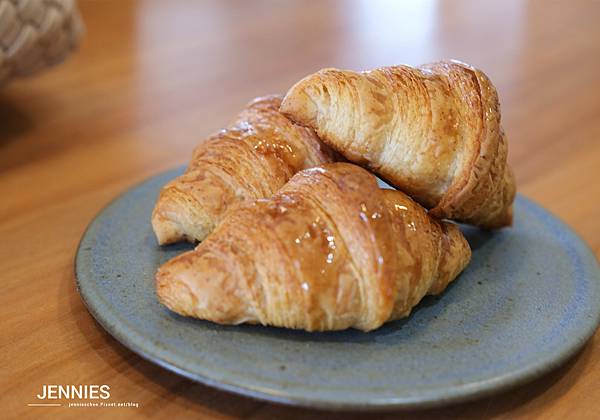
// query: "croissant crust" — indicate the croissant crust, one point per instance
point(432, 131)
point(329, 251)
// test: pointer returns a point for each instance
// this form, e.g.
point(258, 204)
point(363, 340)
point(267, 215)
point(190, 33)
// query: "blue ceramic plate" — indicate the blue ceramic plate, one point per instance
point(529, 299)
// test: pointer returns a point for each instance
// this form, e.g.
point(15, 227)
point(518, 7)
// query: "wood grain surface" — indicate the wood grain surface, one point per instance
point(153, 78)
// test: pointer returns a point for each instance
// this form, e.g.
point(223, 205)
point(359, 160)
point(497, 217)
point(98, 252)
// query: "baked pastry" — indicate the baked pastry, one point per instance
point(251, 159)
point(432, 131)
point(329, 251)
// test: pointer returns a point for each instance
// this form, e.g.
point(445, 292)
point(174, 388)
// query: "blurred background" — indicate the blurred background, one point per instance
point(152, 78)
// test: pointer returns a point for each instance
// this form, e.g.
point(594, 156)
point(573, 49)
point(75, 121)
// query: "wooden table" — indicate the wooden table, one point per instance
point(153, 78)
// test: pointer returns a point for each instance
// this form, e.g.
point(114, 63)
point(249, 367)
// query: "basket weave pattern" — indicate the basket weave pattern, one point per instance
point(35, 34)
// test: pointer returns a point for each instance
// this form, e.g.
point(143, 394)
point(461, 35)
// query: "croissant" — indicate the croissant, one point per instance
point(252, 158)
point(329, 251)
point(432, 131)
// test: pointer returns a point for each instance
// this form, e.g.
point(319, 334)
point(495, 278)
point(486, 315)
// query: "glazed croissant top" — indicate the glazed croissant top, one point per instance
point(330, 250)
point(432, 131)
point(250, 159)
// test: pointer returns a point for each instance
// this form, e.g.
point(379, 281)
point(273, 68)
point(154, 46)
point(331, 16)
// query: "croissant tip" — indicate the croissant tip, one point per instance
point(299, 106)
point(165, 230)
point(177, 217)
point(269, 100)
point(504, 219)
point(174, 295)
point(456, 256)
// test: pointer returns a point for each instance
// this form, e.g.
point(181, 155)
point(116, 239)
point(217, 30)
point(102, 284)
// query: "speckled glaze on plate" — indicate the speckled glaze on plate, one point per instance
point(529, 299)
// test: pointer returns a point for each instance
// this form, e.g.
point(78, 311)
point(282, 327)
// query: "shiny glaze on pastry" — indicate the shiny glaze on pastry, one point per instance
point(329, 251)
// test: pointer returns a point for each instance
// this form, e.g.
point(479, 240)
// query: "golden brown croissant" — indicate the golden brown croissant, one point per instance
point(252, 158)
point(329, 251)
point(432, 131)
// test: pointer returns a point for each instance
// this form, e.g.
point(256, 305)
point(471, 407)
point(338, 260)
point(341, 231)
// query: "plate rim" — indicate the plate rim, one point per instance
point(456, 394)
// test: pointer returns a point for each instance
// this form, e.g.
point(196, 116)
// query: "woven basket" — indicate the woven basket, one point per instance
point(36, 34)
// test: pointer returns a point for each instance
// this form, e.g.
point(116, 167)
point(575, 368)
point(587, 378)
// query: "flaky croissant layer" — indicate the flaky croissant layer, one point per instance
point(250, 159)
point(329, 251)
point(432, 131)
